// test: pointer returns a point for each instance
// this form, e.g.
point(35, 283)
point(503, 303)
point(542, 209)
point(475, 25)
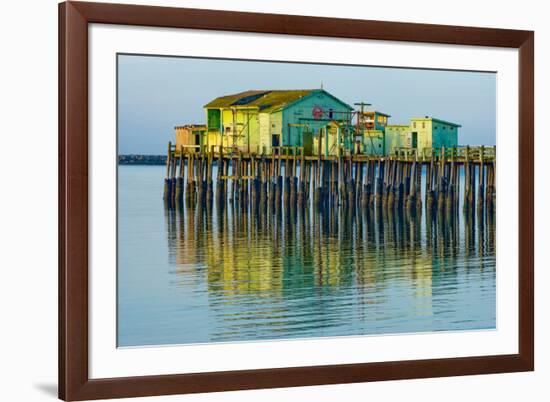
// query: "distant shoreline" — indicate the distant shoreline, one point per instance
point(142, 159)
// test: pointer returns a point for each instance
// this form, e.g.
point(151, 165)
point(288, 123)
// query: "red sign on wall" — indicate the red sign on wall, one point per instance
point(317, 112)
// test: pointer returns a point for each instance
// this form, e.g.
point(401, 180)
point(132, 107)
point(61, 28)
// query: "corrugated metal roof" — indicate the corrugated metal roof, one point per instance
point(265, 100)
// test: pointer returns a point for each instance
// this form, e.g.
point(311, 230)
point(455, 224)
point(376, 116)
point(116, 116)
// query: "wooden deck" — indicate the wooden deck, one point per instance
point(462, 154)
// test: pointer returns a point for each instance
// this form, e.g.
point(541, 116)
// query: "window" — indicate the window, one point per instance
point(423, 124)
point(414, 124)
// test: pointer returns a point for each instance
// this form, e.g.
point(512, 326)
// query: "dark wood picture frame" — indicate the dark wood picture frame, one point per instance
point(74, 381)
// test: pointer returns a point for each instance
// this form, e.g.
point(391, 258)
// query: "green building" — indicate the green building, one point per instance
point(373, 142)
point(397, 136)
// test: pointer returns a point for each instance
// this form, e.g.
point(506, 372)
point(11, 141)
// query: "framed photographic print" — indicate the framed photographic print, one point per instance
point(259, 200)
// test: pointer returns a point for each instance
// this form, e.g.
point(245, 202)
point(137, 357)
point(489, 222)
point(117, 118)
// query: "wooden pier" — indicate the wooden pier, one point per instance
point(408, 179)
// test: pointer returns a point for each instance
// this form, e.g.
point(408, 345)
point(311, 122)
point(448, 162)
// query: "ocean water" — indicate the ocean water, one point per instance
point(201, 275)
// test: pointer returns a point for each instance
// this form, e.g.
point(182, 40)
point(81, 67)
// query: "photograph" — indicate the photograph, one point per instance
point(272, 200)
point(266, 201)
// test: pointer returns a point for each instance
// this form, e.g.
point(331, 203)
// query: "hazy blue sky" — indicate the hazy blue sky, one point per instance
point(157, 93)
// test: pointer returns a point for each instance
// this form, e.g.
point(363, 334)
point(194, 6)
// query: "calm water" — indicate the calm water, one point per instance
point(194, 276)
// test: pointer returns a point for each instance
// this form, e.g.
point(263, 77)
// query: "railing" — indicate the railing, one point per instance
point(187, 149)
point(288, 150)
point(461, 153)
point(458, 153)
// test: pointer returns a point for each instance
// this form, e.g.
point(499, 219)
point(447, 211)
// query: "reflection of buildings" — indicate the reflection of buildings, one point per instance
point(233, 260)
point(263, 270)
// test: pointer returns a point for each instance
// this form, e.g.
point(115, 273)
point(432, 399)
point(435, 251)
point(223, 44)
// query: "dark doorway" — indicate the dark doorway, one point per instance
point(275, 142)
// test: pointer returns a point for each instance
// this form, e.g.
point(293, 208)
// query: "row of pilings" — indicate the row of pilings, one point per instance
point(322, 182)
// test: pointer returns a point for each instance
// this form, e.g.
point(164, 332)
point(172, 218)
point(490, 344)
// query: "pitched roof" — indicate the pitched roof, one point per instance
point(427, 118)
point(264, 100)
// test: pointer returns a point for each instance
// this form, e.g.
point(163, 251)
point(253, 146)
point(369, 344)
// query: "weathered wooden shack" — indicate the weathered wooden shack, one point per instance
point(258, 120)
point(192, 137)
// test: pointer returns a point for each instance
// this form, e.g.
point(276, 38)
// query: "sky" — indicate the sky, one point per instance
point(157, 93)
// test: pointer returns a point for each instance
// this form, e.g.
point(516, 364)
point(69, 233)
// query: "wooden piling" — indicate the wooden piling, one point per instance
point(209, 173)
point(220, 183)
point(450, 196)
point(179, 180)
point(263, 180)
point(491, 189)
point(481, 186)
point(411, 199)
point(443, 183)
point(429, 184)
point(467, 180)
point(173, 181)
point(301, 183)
point(166, 195)
point(379, 190)
point(419, 168)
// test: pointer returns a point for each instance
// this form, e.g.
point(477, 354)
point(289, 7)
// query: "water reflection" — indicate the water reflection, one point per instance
point(284, 272)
